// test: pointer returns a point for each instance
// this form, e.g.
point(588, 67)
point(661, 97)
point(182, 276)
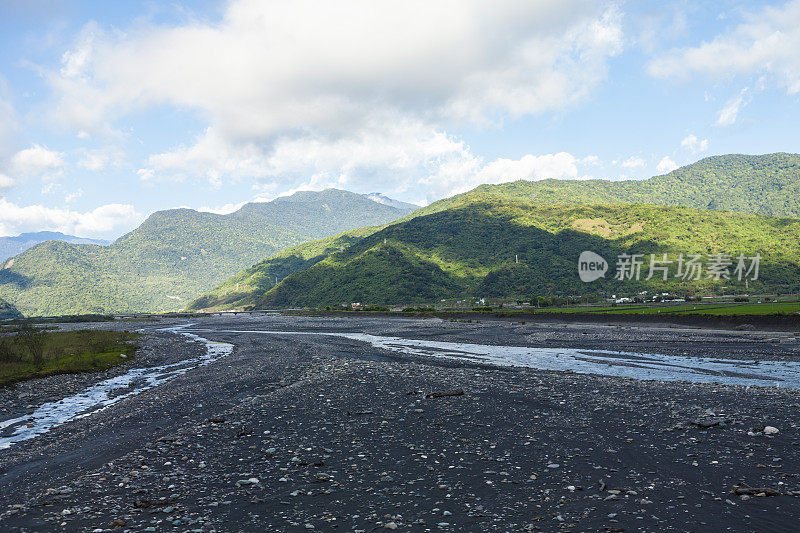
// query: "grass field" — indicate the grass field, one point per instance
point(35, 353)
point(715, 309)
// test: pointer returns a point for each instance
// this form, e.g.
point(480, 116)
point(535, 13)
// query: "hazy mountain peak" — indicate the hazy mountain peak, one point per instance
point(385, 200)
point(11, 246)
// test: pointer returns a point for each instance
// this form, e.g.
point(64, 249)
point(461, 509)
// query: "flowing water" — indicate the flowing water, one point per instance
point(105, 393)
point(644, 366)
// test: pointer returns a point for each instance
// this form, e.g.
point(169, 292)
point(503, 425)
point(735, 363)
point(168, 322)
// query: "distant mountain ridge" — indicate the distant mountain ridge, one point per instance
point(385, 200)
point(176, 254)
point(11, 246)
point(765, 184)
point(516, 249)
point(344, 267)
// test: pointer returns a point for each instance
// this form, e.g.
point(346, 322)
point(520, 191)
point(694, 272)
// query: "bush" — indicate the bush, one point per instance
point(6, 354)
point(34, 340)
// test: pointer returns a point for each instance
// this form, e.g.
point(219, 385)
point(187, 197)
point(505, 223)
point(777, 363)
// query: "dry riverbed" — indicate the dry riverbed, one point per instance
point(317, 432)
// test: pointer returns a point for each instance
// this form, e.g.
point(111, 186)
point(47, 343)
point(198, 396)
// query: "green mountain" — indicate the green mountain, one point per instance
point(176, 254)
point(8, 311)
point(748, 184)
point(245, 287)
point(519, 249)
point(11, 246)
point(764, 184)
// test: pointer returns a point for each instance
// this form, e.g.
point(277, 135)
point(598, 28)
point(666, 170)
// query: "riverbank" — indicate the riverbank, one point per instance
point(291, 433)
point(771, 322)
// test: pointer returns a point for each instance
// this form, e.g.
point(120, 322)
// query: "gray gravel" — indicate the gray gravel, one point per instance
point(321, 433)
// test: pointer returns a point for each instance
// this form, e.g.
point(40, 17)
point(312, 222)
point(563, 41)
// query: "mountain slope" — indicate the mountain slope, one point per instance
point(11, 246)
point(472, 251)
point(246, 287)
point(767, 184)
point(176, 254)
point(8, 311)
point(385, 200)
point(764, 184)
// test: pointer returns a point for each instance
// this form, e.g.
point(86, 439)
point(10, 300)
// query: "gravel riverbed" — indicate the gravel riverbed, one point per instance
point(317, 432)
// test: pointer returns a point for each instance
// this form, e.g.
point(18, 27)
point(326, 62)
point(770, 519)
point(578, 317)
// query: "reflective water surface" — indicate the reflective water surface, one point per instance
point(104, 394)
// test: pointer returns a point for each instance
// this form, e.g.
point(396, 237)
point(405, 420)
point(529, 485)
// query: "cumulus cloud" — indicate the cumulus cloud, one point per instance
point(224, 209)
point(37, 162)
point(99, 160)
point(692, 144)
point(666, 165)
point(16, 219)
point(335, 61)
point(396, 159)
point(765, 43)
point(338, 74)
point(730, 111)
point(633, 162)
point(6, 181)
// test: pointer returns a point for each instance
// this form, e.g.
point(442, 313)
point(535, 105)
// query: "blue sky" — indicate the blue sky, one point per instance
point(112, 110)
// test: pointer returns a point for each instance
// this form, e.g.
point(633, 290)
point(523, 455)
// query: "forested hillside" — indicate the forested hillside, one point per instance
point(176, 255)
point(8, 311)
point(519, 250)
point(11, 246)
point(764, 184)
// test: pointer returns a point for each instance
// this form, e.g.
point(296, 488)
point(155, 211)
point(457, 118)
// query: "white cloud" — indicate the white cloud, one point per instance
point(334, 79)
point(453, 59)
point(6, 181)
point(16, 219)
point(765, 43)
point(100, 160)
point(74, 195)
point(692, 144)
point(666, 165)
point(730, 111)
point(633, 162)
point(396, 159)
point(225, 209)
point(37, 162)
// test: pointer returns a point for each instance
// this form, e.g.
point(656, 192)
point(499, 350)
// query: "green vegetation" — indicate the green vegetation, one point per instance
point(763, 184)
point(8, 311)
point(727, 309)
point(176, 255)
point(11, 246)
point(768, 184)
point(262, 276)
point(471, 251)
point(462, 246)
point(32, 353)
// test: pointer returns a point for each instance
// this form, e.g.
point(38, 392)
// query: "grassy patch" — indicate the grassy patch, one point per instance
point(711, 309)
point(32, 353)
